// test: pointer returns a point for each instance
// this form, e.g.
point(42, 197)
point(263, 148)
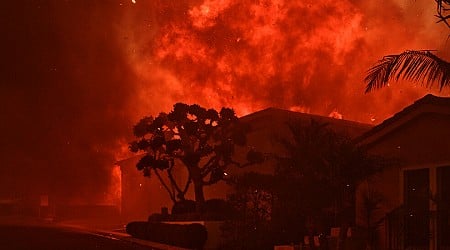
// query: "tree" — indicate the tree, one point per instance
point(422, 66)
point(442, 8)
point(201, 140)
point(312, 189)
point(252, 225)
point(324, 167)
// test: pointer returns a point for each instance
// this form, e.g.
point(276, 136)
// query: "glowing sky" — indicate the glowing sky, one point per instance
point(79, 73)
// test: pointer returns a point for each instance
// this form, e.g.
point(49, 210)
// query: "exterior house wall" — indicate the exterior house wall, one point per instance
point(423, 140)
point(267, 128)
point(418, 137)
point(420, 141)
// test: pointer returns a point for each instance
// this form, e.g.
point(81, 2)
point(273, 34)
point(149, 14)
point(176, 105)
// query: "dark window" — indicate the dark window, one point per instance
point(417, 207)
point(443, 205)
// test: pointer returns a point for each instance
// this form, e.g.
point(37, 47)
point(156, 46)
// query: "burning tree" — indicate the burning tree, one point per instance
point(201, 140)
point(413, 65)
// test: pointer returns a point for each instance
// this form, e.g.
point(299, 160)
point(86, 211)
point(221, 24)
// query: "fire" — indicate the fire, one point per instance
point(204, 16)
point(114, 194)
point(335, 114)
point(250, 55)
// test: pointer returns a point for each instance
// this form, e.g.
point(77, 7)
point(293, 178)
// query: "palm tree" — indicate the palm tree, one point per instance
point(442, 7)
point(422, 66)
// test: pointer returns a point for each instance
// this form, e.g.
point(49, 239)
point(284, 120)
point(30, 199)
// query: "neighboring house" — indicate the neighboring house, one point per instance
point(142, 196)
point(413, 195)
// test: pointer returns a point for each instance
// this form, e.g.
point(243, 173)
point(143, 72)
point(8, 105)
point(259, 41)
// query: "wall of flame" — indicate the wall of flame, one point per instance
point(80, 73)
point(307, 56)
point(300, 55)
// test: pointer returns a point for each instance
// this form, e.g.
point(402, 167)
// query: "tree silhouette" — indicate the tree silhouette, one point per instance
point(443, 7)
point(311, 190)
point(201, 140)
point(324, 167)
point(422, 66)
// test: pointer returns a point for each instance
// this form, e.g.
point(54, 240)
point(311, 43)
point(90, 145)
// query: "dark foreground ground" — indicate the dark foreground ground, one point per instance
point(16, 237)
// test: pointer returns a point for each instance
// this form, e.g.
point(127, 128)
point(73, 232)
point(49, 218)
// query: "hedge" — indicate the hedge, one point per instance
point(188, 235)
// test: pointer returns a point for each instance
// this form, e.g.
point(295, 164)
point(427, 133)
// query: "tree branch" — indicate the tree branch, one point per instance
point(186, 187)
point(441, 10)
point(172, 195)
point(207, 168)
point(174, 183)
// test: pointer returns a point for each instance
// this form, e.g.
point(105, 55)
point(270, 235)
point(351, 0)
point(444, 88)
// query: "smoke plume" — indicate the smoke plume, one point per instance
point(79, 74)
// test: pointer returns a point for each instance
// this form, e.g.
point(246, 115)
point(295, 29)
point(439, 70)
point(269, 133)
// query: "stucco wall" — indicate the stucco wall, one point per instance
point(422, 142)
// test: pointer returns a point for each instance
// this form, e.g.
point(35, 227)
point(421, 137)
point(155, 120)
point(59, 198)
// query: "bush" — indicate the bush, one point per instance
point(219, 209)
point(213, 209)
point(189, 236)
point(156, 217)
point(184, 207)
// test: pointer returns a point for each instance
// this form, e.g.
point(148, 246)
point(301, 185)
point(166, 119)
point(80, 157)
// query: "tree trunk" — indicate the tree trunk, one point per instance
point(198, 189)
point(199, 197)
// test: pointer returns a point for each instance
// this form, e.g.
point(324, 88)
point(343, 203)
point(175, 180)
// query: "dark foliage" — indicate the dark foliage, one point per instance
point(192, 236)
point(312, 189)
point(442, 8)
point(421, 66)
point(325, 168)
point(251, 228)
point(202, 140)
point(213, 209)
point(183, 207)
point(157, 217)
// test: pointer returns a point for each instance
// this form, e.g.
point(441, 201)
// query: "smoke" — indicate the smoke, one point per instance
point(64, 97)
point(79, 74)
point(253, 54)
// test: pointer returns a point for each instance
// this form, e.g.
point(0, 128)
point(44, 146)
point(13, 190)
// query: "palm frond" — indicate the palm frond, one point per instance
point(422, 66)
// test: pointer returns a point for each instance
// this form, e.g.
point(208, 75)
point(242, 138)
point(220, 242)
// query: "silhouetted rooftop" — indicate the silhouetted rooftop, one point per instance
point(272, 117)
point(427, 104)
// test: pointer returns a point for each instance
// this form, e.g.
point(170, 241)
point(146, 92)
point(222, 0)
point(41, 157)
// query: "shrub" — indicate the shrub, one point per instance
point(189, 236)
point(184, 207)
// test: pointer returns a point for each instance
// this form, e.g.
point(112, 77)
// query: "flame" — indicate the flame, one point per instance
point(307, 56)
point(335, 114)
point(300, 55)
point(114, 194)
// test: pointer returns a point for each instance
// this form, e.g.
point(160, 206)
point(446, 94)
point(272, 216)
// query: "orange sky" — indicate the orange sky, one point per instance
point(79, 73)
point(308, 56)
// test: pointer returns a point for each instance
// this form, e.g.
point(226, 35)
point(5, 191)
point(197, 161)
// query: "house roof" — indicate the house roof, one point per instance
point(427, 104)
point(271, 118)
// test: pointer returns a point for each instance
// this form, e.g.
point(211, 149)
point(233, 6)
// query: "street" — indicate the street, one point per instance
point(52, 237)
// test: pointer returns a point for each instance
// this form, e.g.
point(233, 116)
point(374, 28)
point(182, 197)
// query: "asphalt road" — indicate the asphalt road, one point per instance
point(17, 237)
